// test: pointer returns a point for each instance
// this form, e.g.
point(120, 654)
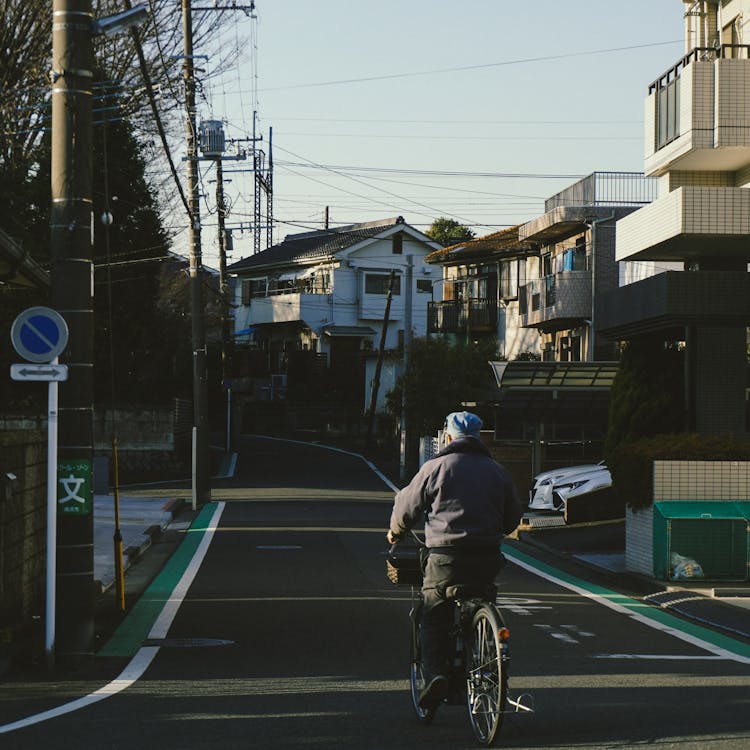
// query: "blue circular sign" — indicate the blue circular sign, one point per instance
point(39, 334)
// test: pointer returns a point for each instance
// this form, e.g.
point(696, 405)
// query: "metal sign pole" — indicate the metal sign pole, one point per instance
point(49, 628)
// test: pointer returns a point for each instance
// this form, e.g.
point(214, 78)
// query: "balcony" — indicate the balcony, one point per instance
point(286, 308)
point(555, 302)
point(462, 316)
point(669, 301)
point(606, 189)
point(690, 223)
point(698, 113)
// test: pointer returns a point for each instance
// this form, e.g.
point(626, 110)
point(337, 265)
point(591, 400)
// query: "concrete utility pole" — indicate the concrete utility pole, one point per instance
point(201, 469)
point(226, 370)
point(71, 252)
point(407, 354)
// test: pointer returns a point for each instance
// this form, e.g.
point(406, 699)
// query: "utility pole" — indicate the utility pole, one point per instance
point(201, 478)
point(224, 295)
point(407, 352)
point(381, 353)
point(72, 296)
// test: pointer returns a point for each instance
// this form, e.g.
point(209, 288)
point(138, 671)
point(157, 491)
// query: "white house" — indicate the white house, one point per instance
point(324, 292)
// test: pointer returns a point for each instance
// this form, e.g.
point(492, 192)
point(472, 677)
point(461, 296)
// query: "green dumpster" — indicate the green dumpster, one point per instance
point(702, 539)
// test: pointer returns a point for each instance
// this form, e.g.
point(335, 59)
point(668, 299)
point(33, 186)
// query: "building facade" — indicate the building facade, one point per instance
point(697, 145)
point(322, 296)
point(536, 287)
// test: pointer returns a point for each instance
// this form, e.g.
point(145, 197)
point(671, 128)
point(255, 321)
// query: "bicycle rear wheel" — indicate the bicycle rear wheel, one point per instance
point(486, 673)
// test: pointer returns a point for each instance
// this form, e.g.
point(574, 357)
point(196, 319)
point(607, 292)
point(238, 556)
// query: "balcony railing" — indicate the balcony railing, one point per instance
point(461, 316)
point(738, 51)
point(607, 189)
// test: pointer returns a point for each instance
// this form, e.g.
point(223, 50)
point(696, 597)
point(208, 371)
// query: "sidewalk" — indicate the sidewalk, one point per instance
point(600, 549)
point(142, 520)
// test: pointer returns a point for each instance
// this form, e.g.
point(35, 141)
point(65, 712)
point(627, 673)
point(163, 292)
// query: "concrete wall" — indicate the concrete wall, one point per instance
point(138, 428)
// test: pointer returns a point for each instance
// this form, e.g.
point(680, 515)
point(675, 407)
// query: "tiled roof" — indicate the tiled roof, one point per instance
point(502, 242)
point(312, 247)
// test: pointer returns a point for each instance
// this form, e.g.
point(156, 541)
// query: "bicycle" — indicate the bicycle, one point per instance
point(481, 648)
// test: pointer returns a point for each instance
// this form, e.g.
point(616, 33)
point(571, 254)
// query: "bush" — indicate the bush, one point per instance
point(631, 465)
point(646, 398)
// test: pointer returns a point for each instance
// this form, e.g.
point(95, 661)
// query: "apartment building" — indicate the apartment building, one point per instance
point(686, 254)
point(536, 287)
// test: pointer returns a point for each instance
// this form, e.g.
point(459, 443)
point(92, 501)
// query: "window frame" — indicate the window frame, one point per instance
point(371, 279)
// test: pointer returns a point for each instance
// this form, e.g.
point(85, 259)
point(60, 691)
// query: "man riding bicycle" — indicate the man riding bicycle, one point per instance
point(469, 503)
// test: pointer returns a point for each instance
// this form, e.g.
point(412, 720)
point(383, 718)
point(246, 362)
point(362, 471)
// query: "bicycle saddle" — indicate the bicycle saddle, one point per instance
point(487, 592)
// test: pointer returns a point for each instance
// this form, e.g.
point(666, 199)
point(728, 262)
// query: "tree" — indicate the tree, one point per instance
point(143, 357)
point(128, 255)
point(646, 398)
point(25, 109)
point(449, 232)
point(442, 376)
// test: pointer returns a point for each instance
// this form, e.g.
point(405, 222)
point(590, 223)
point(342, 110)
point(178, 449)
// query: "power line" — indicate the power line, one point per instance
point(387, 192)
point(453, 137)
point(434, 172)
point(460, 122)
point(503, 63)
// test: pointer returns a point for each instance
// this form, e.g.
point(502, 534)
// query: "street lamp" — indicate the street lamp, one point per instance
point(111, 25)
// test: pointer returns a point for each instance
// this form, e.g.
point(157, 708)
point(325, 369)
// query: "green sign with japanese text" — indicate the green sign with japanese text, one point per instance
point(74, 487)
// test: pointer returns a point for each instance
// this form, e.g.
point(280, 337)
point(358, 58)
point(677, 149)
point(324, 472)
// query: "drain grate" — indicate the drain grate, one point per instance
point(187, 642)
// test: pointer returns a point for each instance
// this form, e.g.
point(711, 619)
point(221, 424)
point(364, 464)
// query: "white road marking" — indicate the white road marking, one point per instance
point(577, 631)
point(628, 611)
point(519, 605)
point(557, 634)
point(145, 655)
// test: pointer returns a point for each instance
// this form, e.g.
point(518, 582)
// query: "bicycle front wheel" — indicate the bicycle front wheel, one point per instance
point(486, 673)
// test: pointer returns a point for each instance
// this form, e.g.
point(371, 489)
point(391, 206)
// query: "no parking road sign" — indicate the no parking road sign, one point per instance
point(39, 334)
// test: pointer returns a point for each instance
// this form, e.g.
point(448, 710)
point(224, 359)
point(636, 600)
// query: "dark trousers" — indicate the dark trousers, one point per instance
point(441, 570)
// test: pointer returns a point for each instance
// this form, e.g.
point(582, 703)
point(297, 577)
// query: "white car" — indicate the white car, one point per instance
point(552, 488)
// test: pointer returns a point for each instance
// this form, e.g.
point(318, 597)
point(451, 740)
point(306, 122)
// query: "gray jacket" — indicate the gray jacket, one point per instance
point(469, 499)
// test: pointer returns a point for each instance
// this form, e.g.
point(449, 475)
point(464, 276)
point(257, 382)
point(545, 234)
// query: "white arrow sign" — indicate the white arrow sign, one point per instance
point(49, 373)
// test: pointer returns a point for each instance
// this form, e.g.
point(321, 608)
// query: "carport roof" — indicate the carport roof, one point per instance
point(534, 375)
point(564, 392)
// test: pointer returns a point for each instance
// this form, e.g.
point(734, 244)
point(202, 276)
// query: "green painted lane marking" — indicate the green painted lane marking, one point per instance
point(659, 619)
point(136, 626)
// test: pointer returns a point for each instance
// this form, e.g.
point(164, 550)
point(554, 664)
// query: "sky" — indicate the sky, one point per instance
point(477, 110)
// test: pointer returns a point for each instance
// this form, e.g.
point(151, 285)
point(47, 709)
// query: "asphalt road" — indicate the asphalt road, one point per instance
point(290, 635)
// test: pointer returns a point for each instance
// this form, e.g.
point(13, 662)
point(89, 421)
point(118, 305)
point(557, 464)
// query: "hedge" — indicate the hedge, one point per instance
point(631, 465)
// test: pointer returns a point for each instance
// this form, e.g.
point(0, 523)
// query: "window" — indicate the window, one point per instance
point(730, 35)
point(570, 348)
point(424, 285)
point(668, 113)
point(252, 288)
point(398, 244)
point(508, 279)
point(523, 302)
point(377, 283)
point(546, 265)
point(574, 258)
